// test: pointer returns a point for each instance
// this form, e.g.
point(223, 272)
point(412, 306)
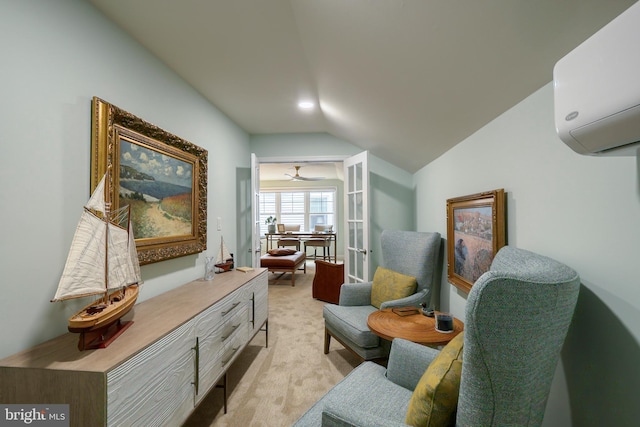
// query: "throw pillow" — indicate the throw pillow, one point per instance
point(281, 252)
point(435, 398)
point(389, 285)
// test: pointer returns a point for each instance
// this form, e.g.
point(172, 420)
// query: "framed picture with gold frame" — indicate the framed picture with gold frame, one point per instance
point(162, 177)
point(475, 232)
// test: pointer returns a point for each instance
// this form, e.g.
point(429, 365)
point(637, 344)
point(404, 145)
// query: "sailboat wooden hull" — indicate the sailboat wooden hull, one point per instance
point(82, 321)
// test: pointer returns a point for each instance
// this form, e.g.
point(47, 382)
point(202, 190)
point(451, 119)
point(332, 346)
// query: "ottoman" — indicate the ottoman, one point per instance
point(283, 261)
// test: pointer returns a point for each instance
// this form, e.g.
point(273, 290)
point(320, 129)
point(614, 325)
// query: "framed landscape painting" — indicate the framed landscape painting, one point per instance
point(162, 177)
point(475, 232)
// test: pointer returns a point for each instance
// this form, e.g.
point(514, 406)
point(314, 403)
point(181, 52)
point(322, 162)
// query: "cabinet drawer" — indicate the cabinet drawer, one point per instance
point(219, 313)
point(212, 348)
point(260, 303)
point(154, 387)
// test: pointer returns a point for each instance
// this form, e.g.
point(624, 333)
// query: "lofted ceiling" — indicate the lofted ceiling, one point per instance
point(405, 79)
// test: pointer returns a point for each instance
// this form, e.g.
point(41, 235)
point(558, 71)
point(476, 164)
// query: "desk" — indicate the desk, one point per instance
point(271, 237)
point(415, 327)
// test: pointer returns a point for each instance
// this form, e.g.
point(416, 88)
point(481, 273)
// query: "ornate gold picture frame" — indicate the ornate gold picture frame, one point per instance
point(475, 232)
point(161, 176)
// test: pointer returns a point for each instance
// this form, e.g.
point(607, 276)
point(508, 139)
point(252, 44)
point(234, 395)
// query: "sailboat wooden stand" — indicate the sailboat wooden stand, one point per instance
point(102, 337)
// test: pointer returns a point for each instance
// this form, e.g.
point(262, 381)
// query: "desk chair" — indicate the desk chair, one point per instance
point(320, 242)
point(288, 241)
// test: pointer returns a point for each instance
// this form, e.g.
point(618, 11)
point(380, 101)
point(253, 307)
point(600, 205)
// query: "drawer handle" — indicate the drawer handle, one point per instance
point(224, 313)
point(224, 362)
point(253, 310)
point(196, 374)
point(233, 328)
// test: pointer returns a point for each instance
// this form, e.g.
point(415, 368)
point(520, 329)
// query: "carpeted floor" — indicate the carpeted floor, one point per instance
point(276, 385)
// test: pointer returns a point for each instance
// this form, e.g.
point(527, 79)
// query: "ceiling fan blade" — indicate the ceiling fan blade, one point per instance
point(303, 178)
point(297, 176)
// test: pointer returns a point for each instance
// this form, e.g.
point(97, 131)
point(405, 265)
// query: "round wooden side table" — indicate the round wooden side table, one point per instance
point(415, 327)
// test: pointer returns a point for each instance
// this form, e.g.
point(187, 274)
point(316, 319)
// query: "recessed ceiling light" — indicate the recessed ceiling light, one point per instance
point(306, 105)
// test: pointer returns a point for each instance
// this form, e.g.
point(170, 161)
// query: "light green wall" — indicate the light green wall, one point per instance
point(580, 210)
point(57, 55)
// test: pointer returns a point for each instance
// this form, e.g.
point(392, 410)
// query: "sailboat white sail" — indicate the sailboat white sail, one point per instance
point(84, 271)
point(102, 257)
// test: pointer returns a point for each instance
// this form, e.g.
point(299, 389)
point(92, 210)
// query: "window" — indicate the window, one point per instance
point(321, 208)
point(292, 211)
point(306, 208)
point(267, 209)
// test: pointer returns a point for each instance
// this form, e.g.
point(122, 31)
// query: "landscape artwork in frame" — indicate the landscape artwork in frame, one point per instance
point(162, 177)
point(475, 232)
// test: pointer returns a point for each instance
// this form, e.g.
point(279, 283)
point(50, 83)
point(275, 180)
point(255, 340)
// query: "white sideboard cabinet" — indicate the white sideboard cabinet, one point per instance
point(179, 347)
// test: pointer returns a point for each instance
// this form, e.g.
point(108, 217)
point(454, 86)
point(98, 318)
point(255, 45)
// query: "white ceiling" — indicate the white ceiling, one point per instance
point(404, 79)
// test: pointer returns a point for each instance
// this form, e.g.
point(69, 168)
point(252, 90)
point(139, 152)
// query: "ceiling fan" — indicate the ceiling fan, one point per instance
point(297, 176)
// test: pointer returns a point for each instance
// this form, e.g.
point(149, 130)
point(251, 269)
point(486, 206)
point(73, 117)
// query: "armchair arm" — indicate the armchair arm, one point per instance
point(355, 294)
point(337, 414)
point(408, 361)
point(412, 300)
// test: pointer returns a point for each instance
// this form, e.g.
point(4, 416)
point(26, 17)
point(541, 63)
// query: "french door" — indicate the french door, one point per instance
point(356, 214)
point(255, 211)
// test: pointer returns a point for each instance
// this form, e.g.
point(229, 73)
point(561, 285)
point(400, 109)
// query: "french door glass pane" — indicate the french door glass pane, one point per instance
point(352, 180)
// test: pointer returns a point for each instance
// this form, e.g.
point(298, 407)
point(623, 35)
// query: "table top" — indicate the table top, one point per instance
point(415, 327)
point(302, 233)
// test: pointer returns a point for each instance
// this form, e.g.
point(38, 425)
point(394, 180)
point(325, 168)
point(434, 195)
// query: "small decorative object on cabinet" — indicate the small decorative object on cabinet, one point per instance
point(209, 268)
point(224, 260)
point(180, 347)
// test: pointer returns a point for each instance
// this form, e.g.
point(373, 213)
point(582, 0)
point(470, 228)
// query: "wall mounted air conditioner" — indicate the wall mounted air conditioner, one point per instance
point(597, 90)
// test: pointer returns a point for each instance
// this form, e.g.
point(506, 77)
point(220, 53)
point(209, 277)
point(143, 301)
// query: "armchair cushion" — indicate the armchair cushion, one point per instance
point(390, 285)
point(363, 398)
point(408, 362)
point(435, 398)
point(355, 294)
point(351, 322)
point(371, 396)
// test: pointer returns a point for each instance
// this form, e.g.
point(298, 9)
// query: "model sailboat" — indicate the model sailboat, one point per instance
point(224, 260)
point(102, 261)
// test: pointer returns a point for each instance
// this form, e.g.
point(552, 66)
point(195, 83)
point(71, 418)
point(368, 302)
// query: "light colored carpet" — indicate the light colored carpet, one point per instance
point(276, 385)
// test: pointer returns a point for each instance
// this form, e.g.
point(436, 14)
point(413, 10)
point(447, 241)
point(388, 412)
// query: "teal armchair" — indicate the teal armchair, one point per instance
point(516, 319)
point(415, 254)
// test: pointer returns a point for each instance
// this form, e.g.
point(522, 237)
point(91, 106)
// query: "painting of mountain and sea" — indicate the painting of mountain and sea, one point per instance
point(158, 187)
